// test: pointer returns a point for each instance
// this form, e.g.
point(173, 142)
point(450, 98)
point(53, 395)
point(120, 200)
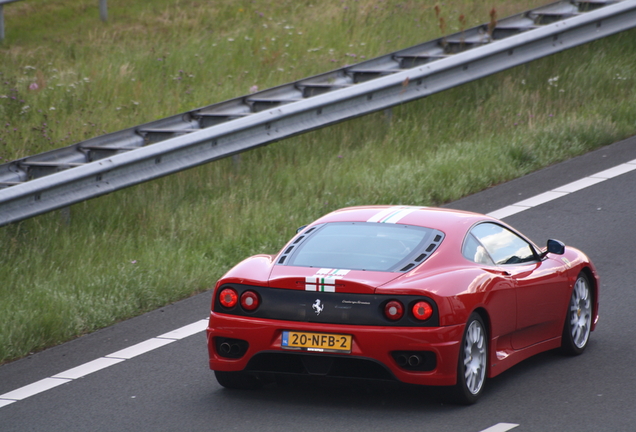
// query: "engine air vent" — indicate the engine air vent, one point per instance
point(295, 244)
point(428, 251)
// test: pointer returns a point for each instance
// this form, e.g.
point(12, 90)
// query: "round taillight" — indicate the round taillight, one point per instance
point(249, 300)
point(228, 298)
point(394, 310)
point(422, 310)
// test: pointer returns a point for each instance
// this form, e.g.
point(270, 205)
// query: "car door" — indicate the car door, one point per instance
point(539, 284)
point(501, 299)
point(540, 309)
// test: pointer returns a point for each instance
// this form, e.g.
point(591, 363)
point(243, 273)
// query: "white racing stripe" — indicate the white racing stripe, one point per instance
point(390, 215)
point(386, 212)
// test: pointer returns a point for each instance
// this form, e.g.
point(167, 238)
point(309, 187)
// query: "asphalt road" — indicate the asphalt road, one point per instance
point(171, 389)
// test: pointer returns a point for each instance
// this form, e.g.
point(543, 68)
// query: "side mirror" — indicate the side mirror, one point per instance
point(556, 247)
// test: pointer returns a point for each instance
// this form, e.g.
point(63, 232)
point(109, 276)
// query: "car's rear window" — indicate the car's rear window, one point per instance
point(364, 246)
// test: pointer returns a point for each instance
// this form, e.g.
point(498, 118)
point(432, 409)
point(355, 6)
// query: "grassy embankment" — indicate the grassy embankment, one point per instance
point(65, 77)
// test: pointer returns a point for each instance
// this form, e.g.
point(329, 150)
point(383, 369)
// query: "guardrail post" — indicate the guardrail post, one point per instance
point(2, 3)
point(65, 215)
point(103, 10)
point(388, 115)
point(1, 22)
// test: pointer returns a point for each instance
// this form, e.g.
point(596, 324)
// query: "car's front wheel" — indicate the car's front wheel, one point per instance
point(238, 380)
point(472, 362)
point(578, 320)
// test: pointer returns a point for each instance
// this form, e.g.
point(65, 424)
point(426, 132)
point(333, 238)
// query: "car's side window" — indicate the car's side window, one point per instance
point(474, 251)
point(502, 245)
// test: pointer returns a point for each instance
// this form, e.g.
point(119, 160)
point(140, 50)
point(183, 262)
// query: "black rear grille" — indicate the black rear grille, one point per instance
point(316, 364)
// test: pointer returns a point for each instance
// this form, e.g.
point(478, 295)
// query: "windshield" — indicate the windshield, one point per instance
point(363, 246)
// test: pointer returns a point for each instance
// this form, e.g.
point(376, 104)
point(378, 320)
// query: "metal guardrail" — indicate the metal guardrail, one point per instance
point(91, 168)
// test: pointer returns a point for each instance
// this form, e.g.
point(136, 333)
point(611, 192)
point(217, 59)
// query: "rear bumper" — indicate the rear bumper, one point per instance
point(372, 343)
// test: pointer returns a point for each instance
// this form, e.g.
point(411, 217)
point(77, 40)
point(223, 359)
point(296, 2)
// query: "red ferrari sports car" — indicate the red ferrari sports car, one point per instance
point(421, 295)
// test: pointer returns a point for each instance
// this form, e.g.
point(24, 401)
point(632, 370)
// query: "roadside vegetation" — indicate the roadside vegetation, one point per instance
point(65, 76)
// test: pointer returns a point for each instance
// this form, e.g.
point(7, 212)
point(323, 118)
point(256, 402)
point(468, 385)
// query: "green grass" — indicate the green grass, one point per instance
point(155, 243)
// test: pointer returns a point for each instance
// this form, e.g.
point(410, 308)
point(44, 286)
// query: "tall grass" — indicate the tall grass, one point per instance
point(158, 242)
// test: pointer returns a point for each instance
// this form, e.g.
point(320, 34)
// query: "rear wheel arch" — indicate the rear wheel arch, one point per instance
point(483, 313)
point(485, 317)
point(473, 360)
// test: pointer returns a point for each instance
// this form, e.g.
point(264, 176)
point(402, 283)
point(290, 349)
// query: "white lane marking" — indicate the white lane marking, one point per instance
point(501, 427)
point(87, 368)
point(507, 211)
point(563, 190)
point(541, 199)
point(101, 363)
point(196, 327)
point(33, 389)
point(617, 170)
point(5, 402)
point(579, 184)
point(186, 331)
point(140, 348)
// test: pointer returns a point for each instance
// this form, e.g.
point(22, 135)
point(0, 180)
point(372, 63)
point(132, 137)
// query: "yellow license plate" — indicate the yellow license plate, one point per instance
point(319, 342)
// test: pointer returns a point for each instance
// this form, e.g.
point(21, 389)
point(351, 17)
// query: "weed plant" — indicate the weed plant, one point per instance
point(65, 77)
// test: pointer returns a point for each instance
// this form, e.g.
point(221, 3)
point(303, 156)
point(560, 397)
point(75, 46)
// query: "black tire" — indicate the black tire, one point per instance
point(578, 319)
point(238, 380)
point(472, 362)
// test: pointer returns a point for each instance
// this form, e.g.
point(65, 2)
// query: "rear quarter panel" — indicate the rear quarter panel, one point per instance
point(460, 291)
